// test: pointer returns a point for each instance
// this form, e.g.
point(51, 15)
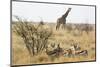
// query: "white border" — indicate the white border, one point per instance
point(5, 33)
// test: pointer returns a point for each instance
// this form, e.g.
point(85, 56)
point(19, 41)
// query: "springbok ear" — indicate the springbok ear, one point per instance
point(58, 44)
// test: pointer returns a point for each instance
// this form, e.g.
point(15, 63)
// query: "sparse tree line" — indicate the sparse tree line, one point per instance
point(80, 27)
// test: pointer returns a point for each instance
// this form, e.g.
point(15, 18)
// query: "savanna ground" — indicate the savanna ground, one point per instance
point(20, 54)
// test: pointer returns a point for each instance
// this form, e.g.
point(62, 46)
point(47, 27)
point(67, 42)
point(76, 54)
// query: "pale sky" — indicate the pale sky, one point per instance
point(50, 12)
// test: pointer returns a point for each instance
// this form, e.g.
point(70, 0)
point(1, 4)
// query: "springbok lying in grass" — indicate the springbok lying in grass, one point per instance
point(82, 53)
point(67, 52)
point(55, 52)
point(70, 53)
point(75, 50)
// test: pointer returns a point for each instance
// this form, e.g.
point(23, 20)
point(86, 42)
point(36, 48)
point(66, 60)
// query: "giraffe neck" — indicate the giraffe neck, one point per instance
point(66, 14)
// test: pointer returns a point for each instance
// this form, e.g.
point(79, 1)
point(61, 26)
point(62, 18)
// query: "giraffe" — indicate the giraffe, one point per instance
point(62, 19)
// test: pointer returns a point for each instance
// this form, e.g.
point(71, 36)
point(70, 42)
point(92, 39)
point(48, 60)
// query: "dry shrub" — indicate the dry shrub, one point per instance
point(35, 37)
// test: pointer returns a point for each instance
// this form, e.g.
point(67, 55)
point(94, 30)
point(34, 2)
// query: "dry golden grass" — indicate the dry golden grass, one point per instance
point(86, 41)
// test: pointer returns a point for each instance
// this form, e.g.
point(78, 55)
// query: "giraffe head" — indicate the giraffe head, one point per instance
point(69, 9)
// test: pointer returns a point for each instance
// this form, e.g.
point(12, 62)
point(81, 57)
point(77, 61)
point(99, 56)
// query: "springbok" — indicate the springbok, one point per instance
point(83, 53)
point(55, 52)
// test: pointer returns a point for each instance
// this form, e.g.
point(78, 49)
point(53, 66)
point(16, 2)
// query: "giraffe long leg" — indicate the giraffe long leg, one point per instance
point(63, 26)
point(57, 26)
